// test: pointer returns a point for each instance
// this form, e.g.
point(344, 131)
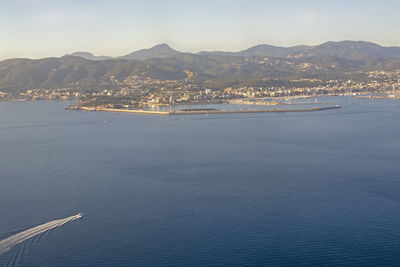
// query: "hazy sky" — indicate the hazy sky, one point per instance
point(42, 28)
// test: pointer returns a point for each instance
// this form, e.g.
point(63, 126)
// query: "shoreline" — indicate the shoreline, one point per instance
point(202, 111)
point(378, 97)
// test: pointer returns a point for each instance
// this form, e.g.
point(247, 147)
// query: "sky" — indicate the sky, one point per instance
point(44, 28)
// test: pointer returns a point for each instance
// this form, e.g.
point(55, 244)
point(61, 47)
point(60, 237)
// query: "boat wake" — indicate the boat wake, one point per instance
point(10, 242)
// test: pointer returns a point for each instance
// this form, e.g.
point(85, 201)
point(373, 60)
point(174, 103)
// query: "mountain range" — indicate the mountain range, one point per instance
point(261, 65)
point(353, 50)
point(158, 51)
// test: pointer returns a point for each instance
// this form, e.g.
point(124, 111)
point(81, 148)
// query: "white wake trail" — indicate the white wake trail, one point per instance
point(8, 243)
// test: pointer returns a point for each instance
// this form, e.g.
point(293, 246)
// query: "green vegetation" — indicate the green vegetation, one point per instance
point(262, 66)
point(116, 102)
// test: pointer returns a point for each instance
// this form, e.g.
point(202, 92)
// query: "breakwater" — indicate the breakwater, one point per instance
point(204, 111)
point(378, 97)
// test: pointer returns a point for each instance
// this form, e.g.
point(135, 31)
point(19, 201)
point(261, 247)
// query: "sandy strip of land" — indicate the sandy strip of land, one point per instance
point(207, 111)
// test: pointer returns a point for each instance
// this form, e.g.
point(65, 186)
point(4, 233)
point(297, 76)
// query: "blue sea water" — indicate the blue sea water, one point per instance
point(314, 188)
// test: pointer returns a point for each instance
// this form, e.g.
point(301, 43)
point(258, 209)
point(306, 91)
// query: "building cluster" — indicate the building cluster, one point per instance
point(145, 91)
point(377, 82)
point(62, 94)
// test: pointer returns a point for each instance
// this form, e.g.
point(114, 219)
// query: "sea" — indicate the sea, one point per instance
point(262, 189)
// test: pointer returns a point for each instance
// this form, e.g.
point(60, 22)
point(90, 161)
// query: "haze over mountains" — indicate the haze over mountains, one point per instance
point(260, 65)
point(89, 56)
point(356, 50)
point(160, 50)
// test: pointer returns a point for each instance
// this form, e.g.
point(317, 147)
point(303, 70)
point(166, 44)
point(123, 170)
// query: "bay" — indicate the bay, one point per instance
point(315, 188)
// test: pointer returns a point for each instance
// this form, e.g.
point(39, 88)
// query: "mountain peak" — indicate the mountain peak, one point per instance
point(163, 45)
point(352, 44)
point(160, 51)
point(81, 54)
point(88, 55)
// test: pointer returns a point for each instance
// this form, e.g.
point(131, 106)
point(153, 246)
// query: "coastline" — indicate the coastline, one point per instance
point(202, 111)
point(378, 97)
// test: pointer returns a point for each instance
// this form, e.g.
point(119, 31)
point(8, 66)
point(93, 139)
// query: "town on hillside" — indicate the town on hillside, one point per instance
point(140, 92)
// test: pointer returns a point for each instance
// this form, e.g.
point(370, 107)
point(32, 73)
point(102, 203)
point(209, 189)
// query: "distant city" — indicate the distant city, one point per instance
point(164, 76)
